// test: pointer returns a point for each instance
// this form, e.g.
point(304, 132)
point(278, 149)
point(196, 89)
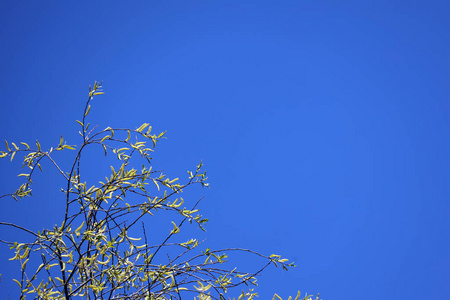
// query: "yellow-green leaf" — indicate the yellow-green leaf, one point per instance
point(104, 138)
point(175, 229)
point(79, 228)
point(87, 110)
point(25, 263)
point(142, 127)
point(20, 285)
point(156, 183)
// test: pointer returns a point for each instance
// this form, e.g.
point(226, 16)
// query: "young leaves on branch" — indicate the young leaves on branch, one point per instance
point(92, 253)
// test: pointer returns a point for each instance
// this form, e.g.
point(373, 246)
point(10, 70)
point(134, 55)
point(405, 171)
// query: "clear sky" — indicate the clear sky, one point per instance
point(323, 125)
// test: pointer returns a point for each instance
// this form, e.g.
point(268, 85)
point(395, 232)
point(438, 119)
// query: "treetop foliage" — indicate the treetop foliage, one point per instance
point(91, 254)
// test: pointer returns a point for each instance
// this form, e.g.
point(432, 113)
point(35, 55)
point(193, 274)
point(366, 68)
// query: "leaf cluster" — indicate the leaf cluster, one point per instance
point(91, 254)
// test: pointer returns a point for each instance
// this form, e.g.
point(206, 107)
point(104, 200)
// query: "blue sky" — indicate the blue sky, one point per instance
point(323, 125)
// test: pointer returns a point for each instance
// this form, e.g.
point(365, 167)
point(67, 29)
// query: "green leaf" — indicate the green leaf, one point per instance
point(104, 138)
point(156, 183)
point(25, 263)
point(20, 285)
point(79, 228)
point(7, 146)
point(142, 127)
point(176, 229)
